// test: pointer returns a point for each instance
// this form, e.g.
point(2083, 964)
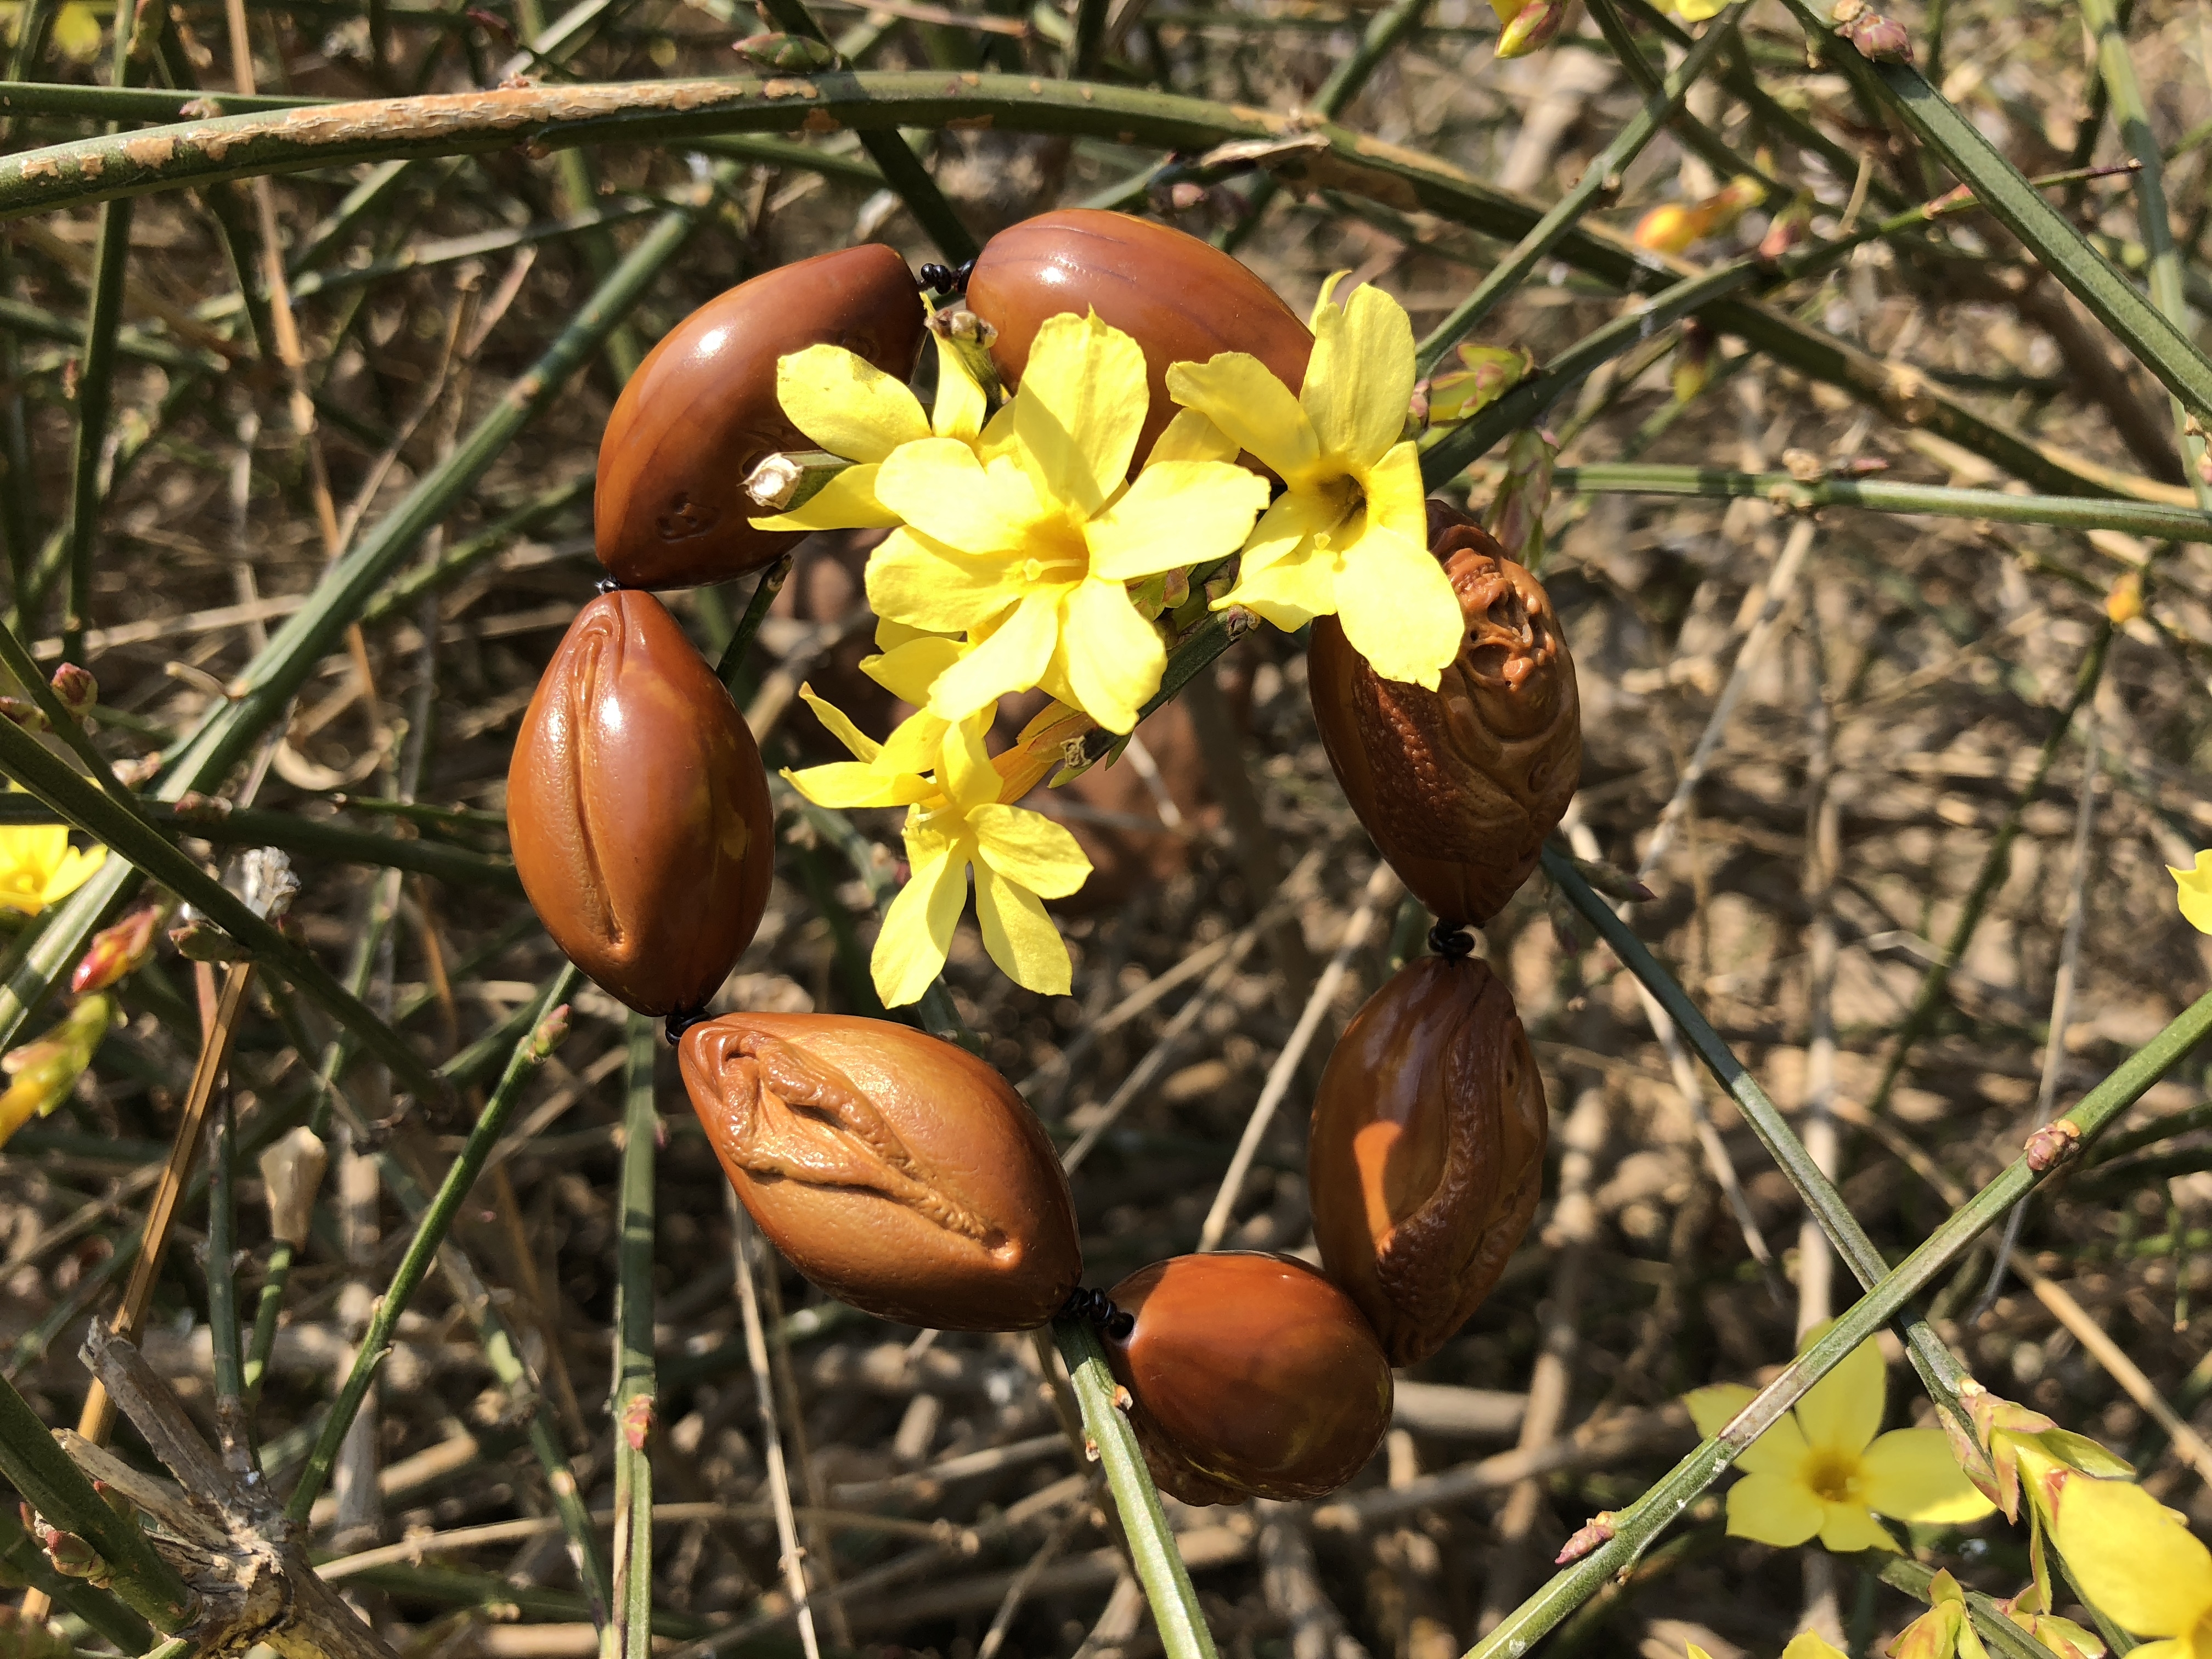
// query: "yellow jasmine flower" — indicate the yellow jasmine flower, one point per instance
point(1822, 1471)
point(38, 865)
point(76, 33)
point(2196, 895)
point(1697, 11)
point(1349, 536)
point(2138, 1564)
point(1811, 1644)
point(852, 408)
point(1027, 547)
point(956, 822)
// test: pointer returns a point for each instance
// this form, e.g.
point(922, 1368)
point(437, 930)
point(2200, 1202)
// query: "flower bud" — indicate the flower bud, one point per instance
point(41, 1074)
point(1532, 26)
point(1248, 1374)
point(638, 809)
point(1670, 227)
point(1181, 298)
point(21, 711)
point(1488, 372)
point(1459, 786)
point(76, 687)
point(700, 413)
point(897, 1172)
point(1883, 39)
point(115, 951)
point(1427, 1152)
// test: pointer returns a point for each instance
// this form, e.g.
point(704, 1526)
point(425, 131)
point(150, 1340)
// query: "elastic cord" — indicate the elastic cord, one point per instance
point(682, 1021)
point(1099, 1309)
point(1451, 940)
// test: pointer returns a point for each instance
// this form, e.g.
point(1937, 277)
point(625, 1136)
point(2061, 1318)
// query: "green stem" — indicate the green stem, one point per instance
point(1636, 1526)
point(2151, 519)
point(634, 1386)
point(266, 1312)
point(95, 395)
point(1997, 1632)
point(423, 1248)
point(1159, 1564)
point(1928, 1000)
point(732, 660)
point(39, 1469)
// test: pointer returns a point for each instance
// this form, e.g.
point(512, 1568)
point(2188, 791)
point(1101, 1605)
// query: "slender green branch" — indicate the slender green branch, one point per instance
point(422, 1247)
point(732, 660)
point(2151, 519)
point(1159, 1564)
point(37, 1469)
point(131, 838)
point(634, 1395)
point(1636, 1526)
point(1601, 178)
point(94, 402)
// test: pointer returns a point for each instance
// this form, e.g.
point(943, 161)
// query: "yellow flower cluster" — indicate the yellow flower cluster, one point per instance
point(1021, 539)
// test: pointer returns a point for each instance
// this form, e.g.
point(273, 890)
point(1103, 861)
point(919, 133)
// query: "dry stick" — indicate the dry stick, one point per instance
point(1816, 1265)
point(1222, 750)
point(810, 1477)
point(99, 1414)
point(1572, 1232)
point(1382, 887)
point(1018, 1592)
point(2061, 992)
point(779, 1481)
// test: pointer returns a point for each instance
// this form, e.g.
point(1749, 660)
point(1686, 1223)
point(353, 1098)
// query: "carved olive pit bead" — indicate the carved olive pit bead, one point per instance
point(1427, 1156)
point(1459, 786)
point(638, 809)
point(1248, 1374)
point(700, 413)
point(899, 1173)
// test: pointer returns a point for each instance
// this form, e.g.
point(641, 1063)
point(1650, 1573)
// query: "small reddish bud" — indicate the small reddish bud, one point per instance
point(1598, 1529)
point(2052, 1145)
point(76, 687)
point(115, 951)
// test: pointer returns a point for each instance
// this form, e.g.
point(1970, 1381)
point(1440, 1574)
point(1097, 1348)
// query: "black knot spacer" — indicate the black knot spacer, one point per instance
point(1451, 940)
point(947, 279)
point(606, 584)
point(1099, 1309)
point(682, 1021)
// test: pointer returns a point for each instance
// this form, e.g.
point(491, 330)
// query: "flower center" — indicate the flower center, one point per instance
point(1057, 552)
point(1833, 1476)
point(1348, 503)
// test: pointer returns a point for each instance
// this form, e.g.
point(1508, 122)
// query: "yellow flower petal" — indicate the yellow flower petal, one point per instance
point(1846, 1531)
point(1081, 405)
point(1783, 1513)
point(1029, 848)
point(1842, 1411)
point(846, 404)
point(2137, 1564)
point(1781, 1451)
point(1697, 11)
point(925, 583)
point(1810, 1644)
point(76, 33)
point(1910, 1475)
point(1396, 499)
point(1295, 516)
point(1191, 437)
point(858, 743)
point(1398, 609)
point(1020, 936)
point(2196, 894)
point(846, 784)
point(1714, 1408)
point(913, 747)
point(75, 869)
point(908, 669)
point(1176, 514)
point(939, 487)
point(965, 767)
point(1012, 658)
point(960, 402)
point(848, 501)
point(917, 929)
point(1291, 591)
point(1360, 378)
point(1113, 656)
point(1241, 395)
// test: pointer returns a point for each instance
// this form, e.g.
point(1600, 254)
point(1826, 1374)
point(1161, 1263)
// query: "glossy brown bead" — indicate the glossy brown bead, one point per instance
point(700, 413)
point(1181, 299)
point(1459, 786)
point(1248, 1374)
point(897, 1172)
point(1427, 1153)
point(638, 809)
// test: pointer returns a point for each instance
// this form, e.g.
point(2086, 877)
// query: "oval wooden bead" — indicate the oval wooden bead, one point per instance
point(638, 809)
point(1459, 786)
point(899, 1173)
point(1181, 298)
point(1249, 1375)
point(1427, 1157)
point(700, 413)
